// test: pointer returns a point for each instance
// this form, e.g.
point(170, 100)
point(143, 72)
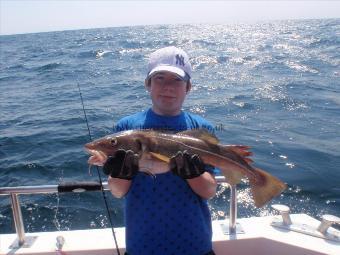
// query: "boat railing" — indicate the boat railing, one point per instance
point(14, 193)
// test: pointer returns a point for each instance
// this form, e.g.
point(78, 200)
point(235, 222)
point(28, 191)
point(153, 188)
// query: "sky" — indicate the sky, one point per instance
point(30, 16)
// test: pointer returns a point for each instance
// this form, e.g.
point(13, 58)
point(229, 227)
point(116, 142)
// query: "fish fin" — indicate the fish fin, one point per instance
point(236, 152)
point(242, 150)
point(265, 187)
point(248, 160)
point(202, 134)
point(232, 177)
point(160, 157)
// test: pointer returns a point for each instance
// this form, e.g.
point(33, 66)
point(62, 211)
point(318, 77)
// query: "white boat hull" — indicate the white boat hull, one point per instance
point(259, 238)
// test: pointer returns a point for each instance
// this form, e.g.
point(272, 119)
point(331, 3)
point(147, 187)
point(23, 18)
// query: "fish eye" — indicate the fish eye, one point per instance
point(113, 141)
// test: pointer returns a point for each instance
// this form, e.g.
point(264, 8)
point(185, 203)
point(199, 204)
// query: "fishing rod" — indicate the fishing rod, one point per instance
point(99, 177)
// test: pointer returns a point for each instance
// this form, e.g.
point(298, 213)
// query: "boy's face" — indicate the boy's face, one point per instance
point(167, 92)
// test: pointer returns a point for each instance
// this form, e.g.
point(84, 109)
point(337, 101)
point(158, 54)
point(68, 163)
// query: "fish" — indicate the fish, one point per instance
point(232, 160)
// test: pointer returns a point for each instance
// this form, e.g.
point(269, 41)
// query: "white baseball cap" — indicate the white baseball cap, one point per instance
point(170, 59)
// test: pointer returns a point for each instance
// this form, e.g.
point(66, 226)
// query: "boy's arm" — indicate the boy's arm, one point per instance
point(198, 175)
point(118, 187)
point(204, 185)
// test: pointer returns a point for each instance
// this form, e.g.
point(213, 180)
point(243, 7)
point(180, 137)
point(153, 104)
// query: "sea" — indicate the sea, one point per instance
point(273, 85)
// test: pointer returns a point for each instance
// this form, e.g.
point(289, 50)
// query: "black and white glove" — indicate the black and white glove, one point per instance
point(186, 166)
point(123, 165)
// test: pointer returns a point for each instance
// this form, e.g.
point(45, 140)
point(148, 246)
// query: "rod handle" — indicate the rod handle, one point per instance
point(78, 186)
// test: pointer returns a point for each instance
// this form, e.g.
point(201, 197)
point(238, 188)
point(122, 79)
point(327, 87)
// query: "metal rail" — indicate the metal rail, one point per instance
point(14, 193)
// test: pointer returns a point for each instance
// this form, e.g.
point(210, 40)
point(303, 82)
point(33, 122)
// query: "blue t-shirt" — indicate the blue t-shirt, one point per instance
point(162, 214)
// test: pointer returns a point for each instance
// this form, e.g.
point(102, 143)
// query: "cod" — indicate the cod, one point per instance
point(232, 160)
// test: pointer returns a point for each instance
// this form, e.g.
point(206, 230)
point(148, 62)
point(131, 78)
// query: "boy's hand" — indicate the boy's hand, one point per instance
point(123, 165)
point(186, 166)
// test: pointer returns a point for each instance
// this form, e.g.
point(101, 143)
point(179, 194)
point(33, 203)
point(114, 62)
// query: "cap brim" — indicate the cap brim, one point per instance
point(172, 69)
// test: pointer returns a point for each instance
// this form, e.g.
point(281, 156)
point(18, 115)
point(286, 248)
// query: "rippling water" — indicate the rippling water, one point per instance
point(273, 86)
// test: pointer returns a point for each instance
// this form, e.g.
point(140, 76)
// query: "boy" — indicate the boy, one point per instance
point(166, 214)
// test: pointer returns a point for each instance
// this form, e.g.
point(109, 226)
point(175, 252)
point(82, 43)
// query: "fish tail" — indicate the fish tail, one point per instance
point(265, 187)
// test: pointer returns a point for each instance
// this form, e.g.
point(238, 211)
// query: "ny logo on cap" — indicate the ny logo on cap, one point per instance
point(179, 60)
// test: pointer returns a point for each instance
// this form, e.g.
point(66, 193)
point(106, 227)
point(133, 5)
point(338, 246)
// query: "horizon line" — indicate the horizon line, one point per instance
point(268, 20)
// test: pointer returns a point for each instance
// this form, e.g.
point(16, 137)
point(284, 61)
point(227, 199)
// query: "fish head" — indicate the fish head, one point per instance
point(108, 145)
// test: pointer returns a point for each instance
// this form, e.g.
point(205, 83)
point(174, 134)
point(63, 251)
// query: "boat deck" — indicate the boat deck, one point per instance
point(257, 237)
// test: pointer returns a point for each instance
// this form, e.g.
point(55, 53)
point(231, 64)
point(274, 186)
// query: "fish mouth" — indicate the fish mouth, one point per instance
point(97, 157)
point(89, 146)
